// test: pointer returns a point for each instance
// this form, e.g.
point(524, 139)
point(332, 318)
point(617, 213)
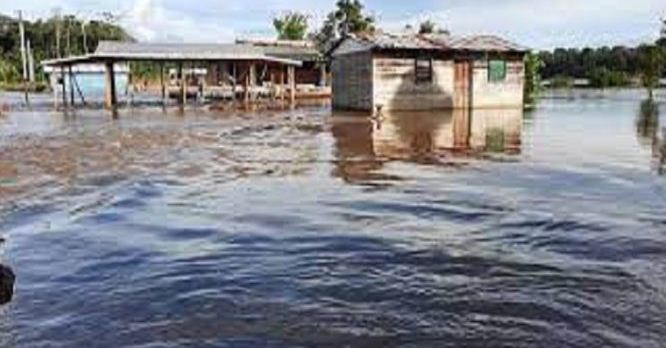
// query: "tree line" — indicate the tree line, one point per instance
point(604, 66)
point(57, 36)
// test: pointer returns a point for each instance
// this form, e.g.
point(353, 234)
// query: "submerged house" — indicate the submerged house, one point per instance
point(426, 72)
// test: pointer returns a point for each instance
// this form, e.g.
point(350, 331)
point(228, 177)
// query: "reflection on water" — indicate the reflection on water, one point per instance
point(306, 229)
point(650, 134)
point(364, 145)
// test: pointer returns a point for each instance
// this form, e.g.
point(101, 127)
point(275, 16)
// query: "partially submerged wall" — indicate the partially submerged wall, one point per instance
point(352, 81)
point(396, 87)
point(500, 94)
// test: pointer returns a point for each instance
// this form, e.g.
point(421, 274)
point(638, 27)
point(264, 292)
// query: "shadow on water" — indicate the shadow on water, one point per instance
point(448, 138)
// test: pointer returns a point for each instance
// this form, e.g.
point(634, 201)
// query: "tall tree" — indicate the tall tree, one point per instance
point(651, 63)
point(427, 27)
point(291, 26)
point(347, 18)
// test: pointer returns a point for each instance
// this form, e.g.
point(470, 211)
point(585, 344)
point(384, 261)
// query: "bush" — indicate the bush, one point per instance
point(561, 81)
point(603, 78)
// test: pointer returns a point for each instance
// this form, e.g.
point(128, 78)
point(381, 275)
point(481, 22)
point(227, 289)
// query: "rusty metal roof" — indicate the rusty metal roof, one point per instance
point(485, 43)
point(443, 42)
point(131, 51)
point(391, 41)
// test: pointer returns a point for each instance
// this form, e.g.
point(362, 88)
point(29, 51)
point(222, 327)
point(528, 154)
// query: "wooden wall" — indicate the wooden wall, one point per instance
point(505, 94)
point(352, 81)
point(395, 86)
point(365, 80)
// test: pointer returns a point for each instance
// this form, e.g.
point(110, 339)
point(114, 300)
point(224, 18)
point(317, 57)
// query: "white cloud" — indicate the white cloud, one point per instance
point(535, 23)
point(549, 23)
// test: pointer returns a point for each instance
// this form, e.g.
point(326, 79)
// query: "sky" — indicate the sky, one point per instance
point(539, 24)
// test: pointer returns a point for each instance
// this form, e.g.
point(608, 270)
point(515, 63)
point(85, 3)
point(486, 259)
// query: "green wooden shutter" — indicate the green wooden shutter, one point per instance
point(496, 70)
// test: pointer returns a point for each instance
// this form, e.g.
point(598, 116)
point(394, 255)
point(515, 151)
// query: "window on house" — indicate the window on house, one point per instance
point(496, 70)
point(423, 70)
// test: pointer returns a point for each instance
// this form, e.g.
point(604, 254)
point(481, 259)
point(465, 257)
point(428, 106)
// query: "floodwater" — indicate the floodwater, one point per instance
point(307, 229)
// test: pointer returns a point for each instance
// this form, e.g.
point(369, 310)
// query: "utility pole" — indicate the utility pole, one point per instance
point(23, 57)
point(57, 24)
point(31, 63)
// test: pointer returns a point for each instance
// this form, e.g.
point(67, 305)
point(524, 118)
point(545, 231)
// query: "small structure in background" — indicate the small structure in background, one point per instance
point(426, 72)
point(230, 65)
point(86, 78)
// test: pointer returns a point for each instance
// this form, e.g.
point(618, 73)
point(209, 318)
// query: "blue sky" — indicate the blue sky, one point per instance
point(540, 24)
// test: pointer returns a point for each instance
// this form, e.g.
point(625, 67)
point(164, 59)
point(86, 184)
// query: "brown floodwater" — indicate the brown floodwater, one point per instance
point(310, 228)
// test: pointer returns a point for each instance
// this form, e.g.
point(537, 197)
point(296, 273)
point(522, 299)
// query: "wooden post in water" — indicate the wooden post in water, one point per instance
point(322, 76)
point(273, 89)
point(281, 92)
point(246, 88)
point(253, 81)
point(71, 85)
point(62, 85)
point(162, 87)
point(233, 82)
point(291, 72)
point(183, 87)
point(110, 97)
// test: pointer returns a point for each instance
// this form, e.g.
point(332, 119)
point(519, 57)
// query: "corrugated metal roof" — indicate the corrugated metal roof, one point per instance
point(391, 41)
point(127, 51)
point(485, 43)
point(443, 41)
point(176, 50)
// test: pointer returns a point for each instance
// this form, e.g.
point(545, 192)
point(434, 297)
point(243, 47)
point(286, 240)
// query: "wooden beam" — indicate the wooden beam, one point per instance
point(253, 80)
point(183, 85)
point(162, 86)
point(282, 87)
point(110, 98)
point(234, 81)
point(71, 85)
point(62, 86)
point(291, 72)
point(246, 87)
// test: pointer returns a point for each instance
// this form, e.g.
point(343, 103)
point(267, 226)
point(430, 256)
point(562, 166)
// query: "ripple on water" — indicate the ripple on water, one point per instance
point(268, 231)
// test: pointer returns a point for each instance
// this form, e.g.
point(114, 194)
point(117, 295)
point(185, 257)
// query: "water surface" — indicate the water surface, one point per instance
point(306, 228)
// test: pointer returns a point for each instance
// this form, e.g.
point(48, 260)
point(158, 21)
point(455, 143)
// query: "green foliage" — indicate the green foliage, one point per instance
point(533, 66)
point(42, 35)
point(651, 65)
point(581, 63)
point(603, 77)
point(291, 26)
point(347, 18)
point(562, 81)
point(8, 72)
point(427, 27)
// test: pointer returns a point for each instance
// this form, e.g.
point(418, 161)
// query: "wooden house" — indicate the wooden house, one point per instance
point(426, 72)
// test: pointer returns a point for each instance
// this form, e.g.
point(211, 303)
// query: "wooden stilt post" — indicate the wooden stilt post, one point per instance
point(71, 85)
point(110, 98)
point(253, 81)
point(273, 89)
point(282, 86)
point(234, 81)
point(63, 87)
point(322, 76)
point(246, 88)
point(292, 85)
point(183, 82)
point(53, 81)
point(163, 88)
